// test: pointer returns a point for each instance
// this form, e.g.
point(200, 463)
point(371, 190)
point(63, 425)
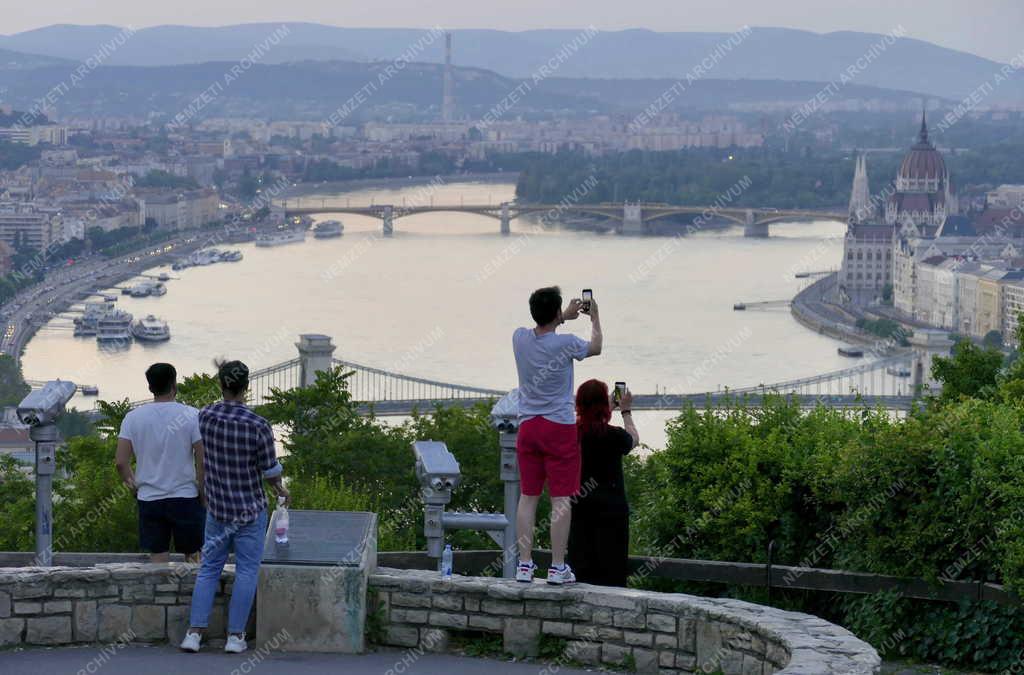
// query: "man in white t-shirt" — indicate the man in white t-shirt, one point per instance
point(164, 438)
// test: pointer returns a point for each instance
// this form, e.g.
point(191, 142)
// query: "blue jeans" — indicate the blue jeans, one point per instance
point(247, 540)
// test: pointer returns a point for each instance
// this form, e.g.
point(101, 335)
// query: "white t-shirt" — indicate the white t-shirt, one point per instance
point(545, 366)
point(162, 435)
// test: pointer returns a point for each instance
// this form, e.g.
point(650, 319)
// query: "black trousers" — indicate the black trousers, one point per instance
point(599, 546)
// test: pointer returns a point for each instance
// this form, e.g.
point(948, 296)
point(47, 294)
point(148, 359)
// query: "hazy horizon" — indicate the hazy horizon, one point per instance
point(987, 28)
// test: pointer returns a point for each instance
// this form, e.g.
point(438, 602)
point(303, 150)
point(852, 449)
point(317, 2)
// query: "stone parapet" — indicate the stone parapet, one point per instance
point(665, 633)
point(117, 602)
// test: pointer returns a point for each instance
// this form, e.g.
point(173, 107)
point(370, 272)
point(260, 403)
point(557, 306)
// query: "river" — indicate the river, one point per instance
point(441, 298)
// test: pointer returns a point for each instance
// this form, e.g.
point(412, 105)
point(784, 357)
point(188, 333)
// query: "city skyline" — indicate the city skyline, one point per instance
point(988, 29)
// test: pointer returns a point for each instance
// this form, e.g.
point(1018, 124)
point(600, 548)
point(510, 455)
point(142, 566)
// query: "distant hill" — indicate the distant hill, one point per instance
point(313, 89)
point(765, 54)
point(11, 60)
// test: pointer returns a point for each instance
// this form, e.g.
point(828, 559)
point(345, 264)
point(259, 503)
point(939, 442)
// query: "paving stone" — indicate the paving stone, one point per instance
point(646, 660)
point(503, 607)
point(542, 609)
point(5, 604)
point(557, 628)
point(48, 630)
point(57, 606)
point(434, 640)
point(410, 600)
point(637, 638)
point(662, 641)
point(86, 621)
point(485, 622)
point(149, 622)
point(661, 622)
point(399, 615)
point(11, 631)
point(614, 654)
point(522, 637)
point(450, 601)
point(584, 651)
point(177, 623)
point(402, 636)
point(448, 620)
point(625, 619)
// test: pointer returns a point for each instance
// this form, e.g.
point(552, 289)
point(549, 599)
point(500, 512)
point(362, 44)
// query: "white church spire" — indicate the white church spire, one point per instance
point(860, 195)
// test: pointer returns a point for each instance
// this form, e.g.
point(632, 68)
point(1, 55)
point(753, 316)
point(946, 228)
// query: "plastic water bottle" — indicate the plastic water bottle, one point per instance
point(446, 562)
point(281, 522)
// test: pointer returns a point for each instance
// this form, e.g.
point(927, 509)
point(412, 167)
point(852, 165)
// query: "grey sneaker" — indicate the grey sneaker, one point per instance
point(236, 644)
point(558, 576)
point(191, 642)
point(524, 572)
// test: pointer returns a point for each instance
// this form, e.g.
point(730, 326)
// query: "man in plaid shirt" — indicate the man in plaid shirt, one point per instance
point(239, 456)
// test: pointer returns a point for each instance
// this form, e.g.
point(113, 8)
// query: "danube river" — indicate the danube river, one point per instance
point(441, 298)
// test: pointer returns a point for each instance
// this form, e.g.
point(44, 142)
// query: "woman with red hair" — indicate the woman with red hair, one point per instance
point(599, 536)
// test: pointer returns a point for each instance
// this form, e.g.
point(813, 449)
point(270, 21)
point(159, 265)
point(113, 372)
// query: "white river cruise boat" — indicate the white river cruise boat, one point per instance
point(281, 238)
point(114, 327)
point(151, 329)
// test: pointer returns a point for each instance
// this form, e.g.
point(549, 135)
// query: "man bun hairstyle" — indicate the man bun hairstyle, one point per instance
point(161, 377)
point(233, 376)
point(545, 304)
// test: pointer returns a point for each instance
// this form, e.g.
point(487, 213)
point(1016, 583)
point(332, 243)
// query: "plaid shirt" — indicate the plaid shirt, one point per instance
point(239, 455)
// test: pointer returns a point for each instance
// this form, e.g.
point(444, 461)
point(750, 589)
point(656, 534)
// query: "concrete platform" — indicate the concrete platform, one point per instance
point(163, 660)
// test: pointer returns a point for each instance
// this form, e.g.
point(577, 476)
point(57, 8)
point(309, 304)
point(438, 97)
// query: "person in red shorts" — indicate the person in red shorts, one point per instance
point(547, 446)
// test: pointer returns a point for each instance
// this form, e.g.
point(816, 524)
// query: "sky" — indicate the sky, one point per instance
point(990, 28)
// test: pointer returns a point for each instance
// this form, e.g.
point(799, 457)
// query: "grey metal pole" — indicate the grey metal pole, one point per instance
point(45, 437)
point(510, 476)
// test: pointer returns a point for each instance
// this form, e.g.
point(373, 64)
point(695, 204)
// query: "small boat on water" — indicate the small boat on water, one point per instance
point(280, 238)
point(164, 276)
point(90, 390)
point(151, 329)
point(851, 351)
point(231, 256)
point(328, 229)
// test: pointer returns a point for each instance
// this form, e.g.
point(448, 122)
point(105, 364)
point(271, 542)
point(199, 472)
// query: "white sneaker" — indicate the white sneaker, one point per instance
point(235, 644)
point(191, 642)
point(558, 576)
point(524, 572)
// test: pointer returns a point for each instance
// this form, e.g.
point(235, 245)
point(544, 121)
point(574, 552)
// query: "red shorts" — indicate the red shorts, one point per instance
point(548, 450)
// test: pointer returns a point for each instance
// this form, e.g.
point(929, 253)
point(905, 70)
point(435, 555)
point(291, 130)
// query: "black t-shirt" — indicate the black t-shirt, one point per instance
point(601, 483)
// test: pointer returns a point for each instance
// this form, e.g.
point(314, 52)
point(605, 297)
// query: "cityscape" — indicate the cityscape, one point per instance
point(763, 274)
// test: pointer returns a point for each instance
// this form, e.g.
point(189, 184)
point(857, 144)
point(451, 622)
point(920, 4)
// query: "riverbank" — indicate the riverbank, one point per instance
point(74, 284)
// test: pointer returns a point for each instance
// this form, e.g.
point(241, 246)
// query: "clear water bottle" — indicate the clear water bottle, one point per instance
point(281, 522)
point(446, 562)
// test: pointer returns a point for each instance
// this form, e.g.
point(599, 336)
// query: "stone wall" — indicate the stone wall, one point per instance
point(651, 632)
point(118, 602)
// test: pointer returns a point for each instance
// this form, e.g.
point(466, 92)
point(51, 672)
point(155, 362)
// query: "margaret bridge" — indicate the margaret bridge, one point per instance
point(892, 382)
point(633, 218)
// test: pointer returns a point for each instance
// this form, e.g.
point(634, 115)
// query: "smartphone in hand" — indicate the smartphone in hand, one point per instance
point(620, 391)
point(587, 296)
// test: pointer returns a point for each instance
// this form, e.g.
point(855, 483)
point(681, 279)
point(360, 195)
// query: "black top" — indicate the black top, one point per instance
point(602, 487)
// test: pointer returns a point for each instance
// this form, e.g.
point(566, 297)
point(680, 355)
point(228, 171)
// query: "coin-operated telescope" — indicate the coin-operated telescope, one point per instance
point(40, 410)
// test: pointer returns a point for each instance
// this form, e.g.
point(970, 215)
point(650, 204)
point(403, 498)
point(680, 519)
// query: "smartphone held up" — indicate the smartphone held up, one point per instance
point(587, 296)
point(618, 393)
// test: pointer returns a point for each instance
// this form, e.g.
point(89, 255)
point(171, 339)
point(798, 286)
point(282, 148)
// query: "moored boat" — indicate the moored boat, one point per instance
point(151, 329)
